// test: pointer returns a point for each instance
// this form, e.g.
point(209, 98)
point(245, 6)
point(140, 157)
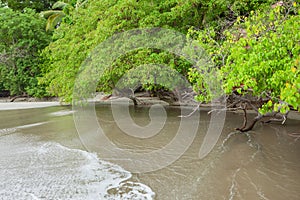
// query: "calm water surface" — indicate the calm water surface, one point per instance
point(41, 157)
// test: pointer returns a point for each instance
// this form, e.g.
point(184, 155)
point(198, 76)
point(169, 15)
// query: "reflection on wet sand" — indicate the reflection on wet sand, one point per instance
point(261, 164)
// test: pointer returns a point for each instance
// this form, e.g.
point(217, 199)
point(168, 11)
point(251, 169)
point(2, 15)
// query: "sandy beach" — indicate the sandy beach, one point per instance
point(25, 105)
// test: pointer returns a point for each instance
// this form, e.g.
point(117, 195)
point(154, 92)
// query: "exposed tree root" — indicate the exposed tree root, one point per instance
point(243, 103)
point(244, 128)
point(272, 117)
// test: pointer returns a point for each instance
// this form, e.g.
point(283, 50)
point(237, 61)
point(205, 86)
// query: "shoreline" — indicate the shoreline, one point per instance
point(26, 105)
point(30, 102)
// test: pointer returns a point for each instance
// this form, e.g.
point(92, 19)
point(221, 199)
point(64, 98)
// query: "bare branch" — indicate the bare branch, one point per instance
point(195, 109)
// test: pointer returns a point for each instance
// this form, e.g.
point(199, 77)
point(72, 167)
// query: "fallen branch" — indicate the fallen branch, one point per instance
point(250, 127)
point(224, 109)
point(254, 104)
point(195, 109)
point(16, 97)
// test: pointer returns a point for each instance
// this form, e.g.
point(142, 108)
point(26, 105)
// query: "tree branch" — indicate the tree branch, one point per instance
point(195, 109)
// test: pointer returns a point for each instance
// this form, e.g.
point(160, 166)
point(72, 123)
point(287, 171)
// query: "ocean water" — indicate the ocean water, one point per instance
point(42, 157)
point(35, 169)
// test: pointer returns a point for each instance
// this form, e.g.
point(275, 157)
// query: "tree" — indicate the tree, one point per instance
point(93, 23)
point(22, 37)
point(259, 62)
point(96, 21)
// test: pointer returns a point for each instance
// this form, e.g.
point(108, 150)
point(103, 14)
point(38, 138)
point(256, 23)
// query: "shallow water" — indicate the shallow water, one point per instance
point(42, 157)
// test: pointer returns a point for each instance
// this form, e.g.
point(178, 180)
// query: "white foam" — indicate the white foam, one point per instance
point(30, 125)
point(62, 113)
point(32, 170)
point(7, 131)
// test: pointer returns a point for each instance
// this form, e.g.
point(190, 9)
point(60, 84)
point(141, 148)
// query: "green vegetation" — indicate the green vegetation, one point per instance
point(265, 61)
point(253, 44)
point(258, 59)
point(22, 37)
point(37, 5)
point(97, 21)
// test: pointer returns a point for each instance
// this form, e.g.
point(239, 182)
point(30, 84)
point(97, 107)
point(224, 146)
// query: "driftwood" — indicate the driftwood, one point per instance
point(16, 97)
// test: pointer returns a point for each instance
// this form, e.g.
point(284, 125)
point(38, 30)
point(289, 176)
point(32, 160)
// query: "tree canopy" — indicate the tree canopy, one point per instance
point(91, 24)
point(20, 5)
point(254, 46)
point(22, 37)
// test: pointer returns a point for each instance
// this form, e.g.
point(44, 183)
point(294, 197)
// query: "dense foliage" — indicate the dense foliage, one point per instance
point(22, 37)
point(265, 62)
point(91, 24)
point(20, 5)
point(259, 56)
point(254, 46)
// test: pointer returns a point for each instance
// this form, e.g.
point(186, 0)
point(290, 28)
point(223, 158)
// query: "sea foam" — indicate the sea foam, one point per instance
point(48, 170)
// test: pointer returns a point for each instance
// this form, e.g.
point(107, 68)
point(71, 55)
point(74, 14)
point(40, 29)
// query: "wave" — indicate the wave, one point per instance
point(7, 131)
point(35, 170)
point(62, 113)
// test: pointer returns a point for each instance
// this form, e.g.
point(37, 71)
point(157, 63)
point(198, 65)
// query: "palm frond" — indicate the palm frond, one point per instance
point(54, 20)
point(46, 14)
point(59, 5)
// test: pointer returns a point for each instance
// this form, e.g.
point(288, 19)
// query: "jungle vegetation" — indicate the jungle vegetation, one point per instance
point(254, 46)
